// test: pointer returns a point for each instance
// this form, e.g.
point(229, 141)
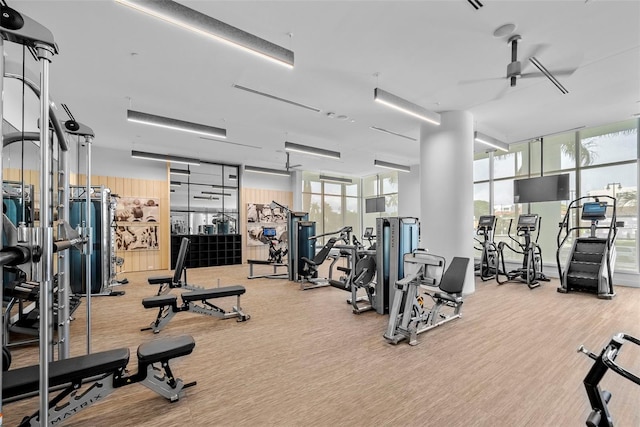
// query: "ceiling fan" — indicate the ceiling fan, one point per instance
point(514, 69)
point(290, 166)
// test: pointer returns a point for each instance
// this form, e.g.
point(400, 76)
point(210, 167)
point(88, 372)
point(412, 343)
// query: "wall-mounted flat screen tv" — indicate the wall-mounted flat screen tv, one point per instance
point(375, 204)
point(543, 189)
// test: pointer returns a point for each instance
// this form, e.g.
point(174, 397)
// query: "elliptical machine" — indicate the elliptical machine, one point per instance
point(486, 269)
point(531, 270)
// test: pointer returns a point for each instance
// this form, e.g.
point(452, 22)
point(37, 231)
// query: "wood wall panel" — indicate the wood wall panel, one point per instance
point(123, 187)
point(257, 195)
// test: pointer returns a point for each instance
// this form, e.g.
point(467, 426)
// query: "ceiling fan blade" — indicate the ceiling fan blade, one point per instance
point(555, 73)
point(548, 74)
point(473, 81)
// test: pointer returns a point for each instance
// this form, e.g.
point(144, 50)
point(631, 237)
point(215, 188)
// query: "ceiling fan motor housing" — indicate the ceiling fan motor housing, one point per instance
point(514, 69)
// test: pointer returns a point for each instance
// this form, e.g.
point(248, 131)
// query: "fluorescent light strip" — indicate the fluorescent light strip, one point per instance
point(232, 143)
point(400, 104)
point(546, 72)
point(200, 23)
point(215, 193)
point(206, 198)
point(267, 171)
point(297, 148)
point(175, 124)
point(336, 179)
point(233, 177)
point(175, 183)
point(491, 142)
point(164, 158)
point(394, 166)
point(173, 171)
point(277, 98)
point(391, 133)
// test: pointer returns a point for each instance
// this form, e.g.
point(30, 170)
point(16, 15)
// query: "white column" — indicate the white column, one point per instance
point(446, 189)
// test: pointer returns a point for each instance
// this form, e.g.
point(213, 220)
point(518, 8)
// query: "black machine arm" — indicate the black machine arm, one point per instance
point(598, 399)
point(344, 230)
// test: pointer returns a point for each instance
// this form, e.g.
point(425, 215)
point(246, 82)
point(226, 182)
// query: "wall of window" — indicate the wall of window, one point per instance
point(600, 161)
point(332, 205)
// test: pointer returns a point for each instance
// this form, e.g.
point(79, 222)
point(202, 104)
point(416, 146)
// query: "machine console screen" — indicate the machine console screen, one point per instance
point(486, 221)
point(269, 232)
point(594, 211)
point(528, 222)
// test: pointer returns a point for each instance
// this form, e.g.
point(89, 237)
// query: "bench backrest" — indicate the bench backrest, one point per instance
point(182, 256)
point(453, 279)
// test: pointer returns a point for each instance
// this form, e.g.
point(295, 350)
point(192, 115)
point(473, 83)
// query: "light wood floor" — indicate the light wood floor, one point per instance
point(305, 359)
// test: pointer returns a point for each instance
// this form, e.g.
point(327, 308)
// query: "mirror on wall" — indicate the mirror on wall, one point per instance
point(204, 199)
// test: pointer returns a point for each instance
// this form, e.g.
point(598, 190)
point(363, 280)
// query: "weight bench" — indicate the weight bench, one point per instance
point(176, 281)
point(106, 371)
point(167, 305)
point(274, 275)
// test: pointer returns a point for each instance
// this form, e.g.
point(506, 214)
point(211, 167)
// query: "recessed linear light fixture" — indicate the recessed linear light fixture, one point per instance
point(548, 75)
point(233, 177)
point(206, 198)
point(335, 179)
point(297, 148)
point(267, 171)
point(215, 193)
point(277, 98)
point(175, 183)
point(164, 158)
point(173, 171)
point(392, 133)
point(175, 124)
point(394, 166)
point(405, 106)
point(491, 142)
point(195, 21)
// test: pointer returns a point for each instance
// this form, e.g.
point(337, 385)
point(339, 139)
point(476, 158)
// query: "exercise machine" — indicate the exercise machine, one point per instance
point(275, 259)
point(487, 267)
point(531, 271)
point(598, 398)
point(179, 278)
point(395, 237)
point(589, 266)
point(100, 374)
point(408, 316)
point(299, 229)
point(310, 265)
point(360, 273)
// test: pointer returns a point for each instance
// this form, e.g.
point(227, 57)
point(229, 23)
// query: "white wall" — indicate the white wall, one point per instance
point(409, 193)
point(265, 181)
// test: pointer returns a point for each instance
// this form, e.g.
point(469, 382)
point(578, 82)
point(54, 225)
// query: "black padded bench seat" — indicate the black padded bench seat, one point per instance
point(226, 291)
point(105, 371)
point(25, 380)
point(159, 280)
point(195, 302)
point(159, 350)
point(159, 301)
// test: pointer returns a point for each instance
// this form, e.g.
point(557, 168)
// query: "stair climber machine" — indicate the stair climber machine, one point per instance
point(360, 272)
point(598, 398)
point(531, 271)
point(589, 266)
point(487, 267)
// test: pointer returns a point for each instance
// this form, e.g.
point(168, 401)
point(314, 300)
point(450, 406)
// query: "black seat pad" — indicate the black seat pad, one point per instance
point(164, 349)
point(27, 380)
point(159, 301)
point(226, 291)
point(159, 280)
point(445, 297)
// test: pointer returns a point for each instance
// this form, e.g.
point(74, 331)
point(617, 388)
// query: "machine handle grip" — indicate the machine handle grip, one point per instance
point(610, 353)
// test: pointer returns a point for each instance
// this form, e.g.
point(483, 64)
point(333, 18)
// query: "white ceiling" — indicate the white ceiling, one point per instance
point(432, 53)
